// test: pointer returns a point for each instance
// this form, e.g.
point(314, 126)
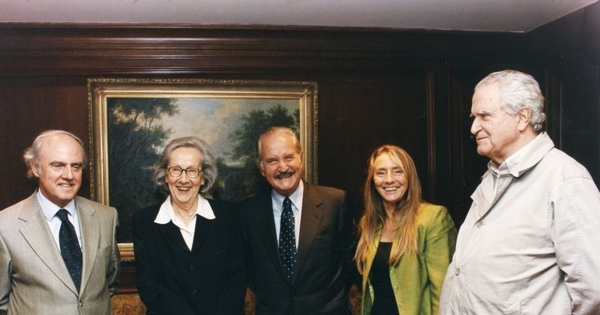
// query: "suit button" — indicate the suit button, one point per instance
point(191, 267)
point(457, 271)
point(194, 292)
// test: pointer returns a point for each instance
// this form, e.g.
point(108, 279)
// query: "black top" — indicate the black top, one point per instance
point(209, 279)
point(384, 302)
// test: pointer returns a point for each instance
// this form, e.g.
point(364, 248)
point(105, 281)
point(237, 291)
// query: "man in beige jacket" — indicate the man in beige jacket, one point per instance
point(34, 277)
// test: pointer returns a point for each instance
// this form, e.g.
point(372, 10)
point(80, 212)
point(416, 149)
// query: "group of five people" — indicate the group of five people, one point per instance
point(526, 246)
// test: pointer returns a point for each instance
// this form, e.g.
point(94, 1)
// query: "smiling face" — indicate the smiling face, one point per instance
point(184, 190)
point(59, 169)
point(280, 162)
point(390, 179)
point(497, 133)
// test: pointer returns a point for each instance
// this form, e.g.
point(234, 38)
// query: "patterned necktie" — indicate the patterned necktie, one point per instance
point(287, 239)
point(69, 247)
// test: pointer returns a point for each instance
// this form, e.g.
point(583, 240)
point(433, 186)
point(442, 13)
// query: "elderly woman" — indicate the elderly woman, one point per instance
point(188, 249)
point(406, 244)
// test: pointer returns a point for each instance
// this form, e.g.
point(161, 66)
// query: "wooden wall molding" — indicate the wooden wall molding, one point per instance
point(116, 50)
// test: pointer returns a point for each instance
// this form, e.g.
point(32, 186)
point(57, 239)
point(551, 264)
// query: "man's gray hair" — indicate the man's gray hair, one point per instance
point(31, 155)
point(518, 90)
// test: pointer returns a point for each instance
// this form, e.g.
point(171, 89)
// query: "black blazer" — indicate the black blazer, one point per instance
point(321, 280)
point(207, 280)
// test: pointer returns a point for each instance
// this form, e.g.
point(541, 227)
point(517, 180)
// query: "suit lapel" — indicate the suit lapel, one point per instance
point(171, 231)
point(36, 232)
point(264, 222)
point(90, 231)
point(371, 251)
point(203, 226)
point(311, 218)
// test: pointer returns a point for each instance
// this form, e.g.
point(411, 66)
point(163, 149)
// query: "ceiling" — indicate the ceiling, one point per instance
point(472, 15)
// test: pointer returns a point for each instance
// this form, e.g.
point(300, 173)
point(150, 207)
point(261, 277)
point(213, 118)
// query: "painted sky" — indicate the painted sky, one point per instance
point(214, 119)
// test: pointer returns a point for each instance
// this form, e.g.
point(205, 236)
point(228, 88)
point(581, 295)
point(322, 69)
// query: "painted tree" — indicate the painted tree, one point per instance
point(248, 180)
point(134, 141)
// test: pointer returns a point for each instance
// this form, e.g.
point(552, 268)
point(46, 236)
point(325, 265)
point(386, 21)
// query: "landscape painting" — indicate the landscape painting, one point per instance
point(132, 120)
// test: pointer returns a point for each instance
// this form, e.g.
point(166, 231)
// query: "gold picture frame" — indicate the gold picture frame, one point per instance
point(230, 111)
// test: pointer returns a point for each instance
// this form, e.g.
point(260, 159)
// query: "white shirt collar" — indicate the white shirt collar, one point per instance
point(166, 212)
point(295, 197)
point(49, 208)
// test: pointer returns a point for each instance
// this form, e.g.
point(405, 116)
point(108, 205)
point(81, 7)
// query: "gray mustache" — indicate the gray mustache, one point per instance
point(285, 174)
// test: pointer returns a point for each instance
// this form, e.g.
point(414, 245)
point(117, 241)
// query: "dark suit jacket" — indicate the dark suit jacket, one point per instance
point(171, 279)
point(33, 275)
point(321, 280)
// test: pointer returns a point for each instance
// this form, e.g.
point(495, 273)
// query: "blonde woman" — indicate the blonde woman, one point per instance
point(406, 244)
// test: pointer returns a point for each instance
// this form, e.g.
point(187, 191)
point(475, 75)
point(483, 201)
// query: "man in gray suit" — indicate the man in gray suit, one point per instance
point(58, 252)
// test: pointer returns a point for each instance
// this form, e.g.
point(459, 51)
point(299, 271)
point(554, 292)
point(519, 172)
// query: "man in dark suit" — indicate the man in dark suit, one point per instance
point(298, 236)
point(36, 274)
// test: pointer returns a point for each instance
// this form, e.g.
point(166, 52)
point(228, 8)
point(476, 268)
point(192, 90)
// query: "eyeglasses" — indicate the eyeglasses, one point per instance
point(191, 172)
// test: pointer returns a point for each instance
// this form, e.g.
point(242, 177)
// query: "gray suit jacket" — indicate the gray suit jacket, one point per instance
point(33, 276)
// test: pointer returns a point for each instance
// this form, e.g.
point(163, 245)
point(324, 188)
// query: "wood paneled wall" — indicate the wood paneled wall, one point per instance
point(410, 88)
point(374, 86)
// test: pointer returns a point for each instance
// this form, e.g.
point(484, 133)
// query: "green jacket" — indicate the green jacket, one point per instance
point(417, 280)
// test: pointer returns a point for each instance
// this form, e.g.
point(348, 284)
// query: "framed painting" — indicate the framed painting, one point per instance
point(131, 120)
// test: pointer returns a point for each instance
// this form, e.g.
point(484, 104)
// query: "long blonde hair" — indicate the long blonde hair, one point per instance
point(374, 215)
